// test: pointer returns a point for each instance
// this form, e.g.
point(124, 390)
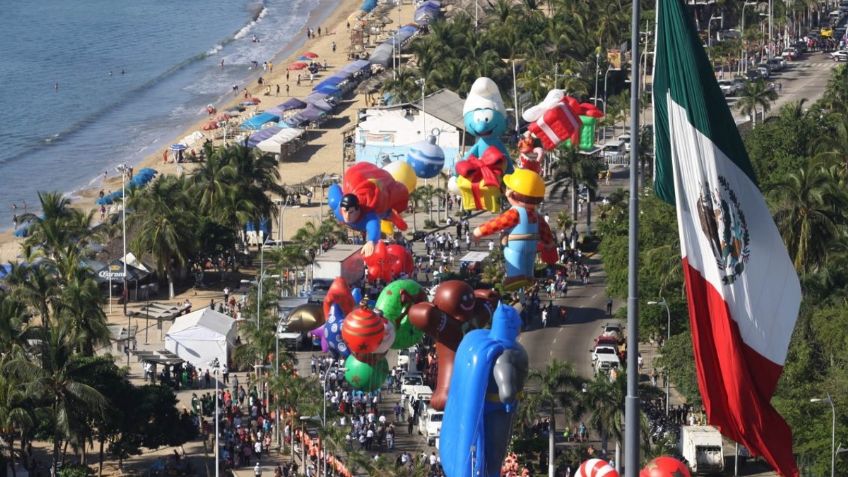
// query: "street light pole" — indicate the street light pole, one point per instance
point(664, 303)
point(829, 400)
point(770, 37)
point(597, 72)
point(123, 168)
point(744, 58)
point(216, 366)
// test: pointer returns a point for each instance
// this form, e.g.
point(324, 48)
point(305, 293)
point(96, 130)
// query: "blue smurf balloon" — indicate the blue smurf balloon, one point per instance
point(333, 332)
point(426, 158)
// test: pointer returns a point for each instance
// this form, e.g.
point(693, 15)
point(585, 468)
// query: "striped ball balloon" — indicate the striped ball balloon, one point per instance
point(596, 468)
point(363, 331)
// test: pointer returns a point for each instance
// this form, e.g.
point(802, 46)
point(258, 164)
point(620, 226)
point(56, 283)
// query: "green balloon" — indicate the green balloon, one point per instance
point(363, 376)
point(391, 304)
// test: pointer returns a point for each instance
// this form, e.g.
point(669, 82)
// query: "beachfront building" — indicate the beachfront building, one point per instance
point(385, 133)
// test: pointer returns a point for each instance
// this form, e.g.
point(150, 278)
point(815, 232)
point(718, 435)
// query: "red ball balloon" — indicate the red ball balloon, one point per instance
point(403, 262)
point(665, 466)
point(362, 331)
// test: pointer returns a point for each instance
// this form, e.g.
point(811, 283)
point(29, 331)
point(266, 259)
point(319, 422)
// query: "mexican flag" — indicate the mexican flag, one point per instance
point(742, 290)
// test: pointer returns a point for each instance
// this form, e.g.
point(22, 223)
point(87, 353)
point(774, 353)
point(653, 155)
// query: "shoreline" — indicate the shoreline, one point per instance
point(321, 154)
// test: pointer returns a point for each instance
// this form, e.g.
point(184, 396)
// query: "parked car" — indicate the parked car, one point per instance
point(841, 55)
point(764, 70)
point(776, 64)
point(625, 138)
point(606, 363)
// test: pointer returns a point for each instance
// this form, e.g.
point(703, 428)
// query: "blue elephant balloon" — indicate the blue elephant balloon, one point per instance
point(426, 158)
point(490, 370)
point(333, 332)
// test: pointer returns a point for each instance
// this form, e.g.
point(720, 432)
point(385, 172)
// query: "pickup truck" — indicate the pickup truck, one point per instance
point(603, 350)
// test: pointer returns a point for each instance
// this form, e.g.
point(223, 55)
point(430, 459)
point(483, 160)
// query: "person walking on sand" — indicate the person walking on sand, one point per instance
point(287, 90)
point(278, 89)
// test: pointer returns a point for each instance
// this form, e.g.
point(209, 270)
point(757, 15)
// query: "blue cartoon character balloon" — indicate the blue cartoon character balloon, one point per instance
point(426, 158)
point(487, 161)
point(490, 370)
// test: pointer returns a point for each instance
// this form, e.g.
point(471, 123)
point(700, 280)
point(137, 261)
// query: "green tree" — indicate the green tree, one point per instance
point(606, 400)
point(755, 96)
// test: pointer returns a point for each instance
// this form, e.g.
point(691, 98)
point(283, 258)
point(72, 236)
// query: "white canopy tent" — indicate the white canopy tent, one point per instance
point(274, 143)
point(202, 336)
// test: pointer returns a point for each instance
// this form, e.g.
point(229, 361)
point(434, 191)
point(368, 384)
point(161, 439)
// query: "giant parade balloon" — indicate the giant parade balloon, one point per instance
point(403, 173)
point(394, 303)
point(426, 158)
point(363, 331)
point(306, 317)
point(365, 377)
point(665, 466)
point(596, 468)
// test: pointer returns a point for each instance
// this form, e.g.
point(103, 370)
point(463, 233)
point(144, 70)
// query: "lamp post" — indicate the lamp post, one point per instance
point(829, 400)
point(744, 57)
point(324, 409)
point(664, 303)
point(215, 365)
point(124, 169)
point(422, 82)
point(709, 35)
point(597, 72)
point(770, 37)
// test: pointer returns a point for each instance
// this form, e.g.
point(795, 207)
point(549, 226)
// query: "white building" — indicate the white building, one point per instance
point(384, 133)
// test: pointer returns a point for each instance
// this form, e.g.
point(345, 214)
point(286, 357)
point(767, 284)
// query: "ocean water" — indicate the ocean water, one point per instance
point(90, 84)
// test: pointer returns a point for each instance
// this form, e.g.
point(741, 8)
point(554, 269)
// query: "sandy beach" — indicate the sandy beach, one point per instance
point(323, 153)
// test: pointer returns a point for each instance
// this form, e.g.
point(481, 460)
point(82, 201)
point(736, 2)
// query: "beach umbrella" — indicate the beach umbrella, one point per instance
point(222, 117)
point(298, 65)
point(304, 58)
point(255, 100)
point(178, 147)
point(210, 126)
point(309, 54)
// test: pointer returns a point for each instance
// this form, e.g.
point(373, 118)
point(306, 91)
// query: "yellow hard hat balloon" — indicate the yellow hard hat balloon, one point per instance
point(403, 173)
point(526, 182)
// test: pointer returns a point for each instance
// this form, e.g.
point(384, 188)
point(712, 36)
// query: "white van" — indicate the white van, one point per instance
point(430, 425)
point(418, 393)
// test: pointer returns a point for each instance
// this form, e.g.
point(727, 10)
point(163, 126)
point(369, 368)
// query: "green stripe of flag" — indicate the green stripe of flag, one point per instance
point(683, 74)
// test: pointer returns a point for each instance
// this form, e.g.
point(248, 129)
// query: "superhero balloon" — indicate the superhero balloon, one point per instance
point(365, 377)
point(596, 468)
point(388, 262)
point(490, 372)
point(665, 466)
point(488, 159)
point(394, 303)
point(426, 158)
point(367, 195)
point(363, 331)
point(456, 309)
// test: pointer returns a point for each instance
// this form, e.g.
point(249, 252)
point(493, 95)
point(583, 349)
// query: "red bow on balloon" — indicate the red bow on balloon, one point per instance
point(488, 168)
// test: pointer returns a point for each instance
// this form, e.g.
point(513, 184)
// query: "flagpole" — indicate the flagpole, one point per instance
point(631, 402)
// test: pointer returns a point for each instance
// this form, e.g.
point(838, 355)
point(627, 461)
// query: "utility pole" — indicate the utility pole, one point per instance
point(631, 402)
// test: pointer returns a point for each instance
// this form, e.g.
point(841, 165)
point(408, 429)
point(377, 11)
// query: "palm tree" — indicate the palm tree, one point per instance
point(58, 225)
point(755, 95)
point(81, 305)
point(416, 201)
point(166, 228)
point(556, 385)
point(55, 382)
point(428, 193)
point(808, 214)
point(16, 417)
point(574, 168)
point(606, 400)
point(403, 87)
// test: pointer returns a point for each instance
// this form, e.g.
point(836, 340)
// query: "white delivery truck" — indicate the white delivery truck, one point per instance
point(430, 425)
point(703, 449)
point(341, 260)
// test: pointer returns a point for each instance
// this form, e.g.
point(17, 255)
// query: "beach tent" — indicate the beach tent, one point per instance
point(192, 139)
point(356, 67)
point(293, 103)
point(257, 121)
point(274, 143)
point(329, 90)
point(368, 5)
point(405, 33)
point(114, 270)
point(5, 269)
point(202, 336)
point(262, 135)
point(331, 81)
point(382, 55)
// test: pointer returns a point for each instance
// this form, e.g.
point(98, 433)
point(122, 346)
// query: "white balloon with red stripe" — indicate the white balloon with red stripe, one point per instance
point(596, 468)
